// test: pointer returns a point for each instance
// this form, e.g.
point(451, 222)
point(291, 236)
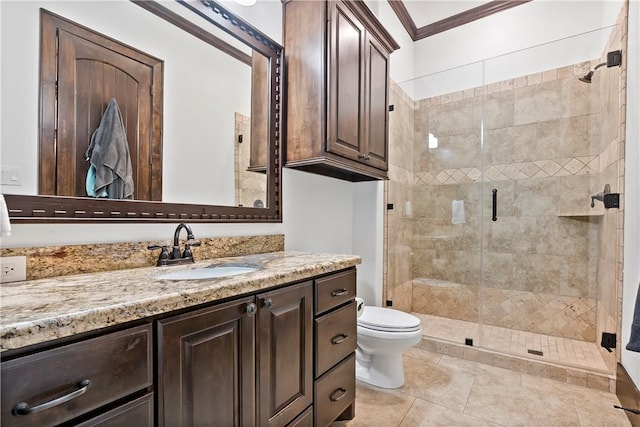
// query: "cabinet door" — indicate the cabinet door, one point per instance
point(345, 131)
point(377, 101)
point(206, 367)
point(285, 345)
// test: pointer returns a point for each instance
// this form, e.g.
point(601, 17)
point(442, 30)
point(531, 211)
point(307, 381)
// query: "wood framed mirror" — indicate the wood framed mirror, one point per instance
point(260, 135)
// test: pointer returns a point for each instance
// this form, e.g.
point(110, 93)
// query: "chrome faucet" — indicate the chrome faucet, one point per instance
point(176, 256)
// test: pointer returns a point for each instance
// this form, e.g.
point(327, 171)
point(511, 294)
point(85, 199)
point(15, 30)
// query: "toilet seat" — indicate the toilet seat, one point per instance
point(388, 320)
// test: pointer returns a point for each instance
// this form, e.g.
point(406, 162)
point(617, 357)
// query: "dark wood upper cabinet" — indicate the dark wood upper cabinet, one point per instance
point(337, 67)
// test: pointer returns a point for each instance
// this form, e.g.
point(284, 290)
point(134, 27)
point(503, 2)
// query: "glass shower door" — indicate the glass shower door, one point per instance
point(447, 205)
point(541, 164)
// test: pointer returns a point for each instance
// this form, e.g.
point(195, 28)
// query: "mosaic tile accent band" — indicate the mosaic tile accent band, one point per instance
point(537, 169)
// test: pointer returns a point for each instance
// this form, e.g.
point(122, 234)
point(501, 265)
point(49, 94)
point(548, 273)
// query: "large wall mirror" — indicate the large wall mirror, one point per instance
point(207, 147)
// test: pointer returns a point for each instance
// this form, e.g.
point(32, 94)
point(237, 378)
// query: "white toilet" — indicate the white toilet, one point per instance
point(383, 334)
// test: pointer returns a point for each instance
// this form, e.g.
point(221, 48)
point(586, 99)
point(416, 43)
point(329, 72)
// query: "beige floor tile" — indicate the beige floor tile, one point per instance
point(424, 414)
point(438, 384)
point(378, 407)
point(516, 406)
point(600, 413)
point(483, 373)
point(548, 385)
point(430, 356)
point(441, 390)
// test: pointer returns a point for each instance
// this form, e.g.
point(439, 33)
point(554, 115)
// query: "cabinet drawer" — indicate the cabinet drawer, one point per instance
point(305, 419)
point(331, 291)
point(335, 391)
point(336, 337)
point(116, 365)
point(137, 413)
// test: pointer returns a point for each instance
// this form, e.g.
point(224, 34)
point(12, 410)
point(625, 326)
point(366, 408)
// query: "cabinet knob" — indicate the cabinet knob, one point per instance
point(251, 309)
point(268, 302)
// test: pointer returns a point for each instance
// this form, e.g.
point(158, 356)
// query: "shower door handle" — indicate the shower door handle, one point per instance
point(494, 209)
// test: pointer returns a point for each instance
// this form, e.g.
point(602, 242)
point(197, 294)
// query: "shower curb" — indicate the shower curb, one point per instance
point(590, 378)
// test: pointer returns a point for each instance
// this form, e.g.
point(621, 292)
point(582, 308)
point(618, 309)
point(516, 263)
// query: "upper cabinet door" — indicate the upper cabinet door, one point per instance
point(346, 83)
point(377, 101)
point(337, 66)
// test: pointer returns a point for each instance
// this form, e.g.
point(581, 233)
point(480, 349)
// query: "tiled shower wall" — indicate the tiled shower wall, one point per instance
point(609, 89)
point(250, 186)
point(538, 156)
point(550, 142)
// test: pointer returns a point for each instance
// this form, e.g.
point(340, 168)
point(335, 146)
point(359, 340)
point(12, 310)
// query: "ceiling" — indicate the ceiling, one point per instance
point(422, 19)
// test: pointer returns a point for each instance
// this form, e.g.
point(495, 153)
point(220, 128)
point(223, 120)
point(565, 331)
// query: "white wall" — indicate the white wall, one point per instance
point(401, 67)
point(368, 243)
point(318, 213)
point(539, 26)
point(631, 360)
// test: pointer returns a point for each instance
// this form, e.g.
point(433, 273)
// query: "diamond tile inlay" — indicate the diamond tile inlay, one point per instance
point(536, 169)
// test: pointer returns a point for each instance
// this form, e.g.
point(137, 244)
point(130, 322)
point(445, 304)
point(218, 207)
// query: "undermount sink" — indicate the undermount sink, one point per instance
point(211, 272)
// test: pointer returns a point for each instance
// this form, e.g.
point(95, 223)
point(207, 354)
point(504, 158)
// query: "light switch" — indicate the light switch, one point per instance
point(11, 175)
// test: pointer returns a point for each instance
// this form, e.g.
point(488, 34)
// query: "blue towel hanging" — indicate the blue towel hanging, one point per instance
point(634, 339)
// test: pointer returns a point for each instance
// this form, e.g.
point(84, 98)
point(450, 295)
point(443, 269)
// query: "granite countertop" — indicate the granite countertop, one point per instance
point(37, 311)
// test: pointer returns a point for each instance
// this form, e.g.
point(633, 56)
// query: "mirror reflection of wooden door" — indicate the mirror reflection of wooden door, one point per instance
point(91, 69)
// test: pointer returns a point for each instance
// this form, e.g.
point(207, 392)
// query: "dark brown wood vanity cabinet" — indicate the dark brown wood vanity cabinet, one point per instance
point(102, 381)
point(335, 342)
point(243, 363)
point(337, 68)
point(284, 357)
point(206, 365)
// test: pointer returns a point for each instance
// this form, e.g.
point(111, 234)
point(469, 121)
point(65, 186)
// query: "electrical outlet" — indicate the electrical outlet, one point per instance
point(14, 269)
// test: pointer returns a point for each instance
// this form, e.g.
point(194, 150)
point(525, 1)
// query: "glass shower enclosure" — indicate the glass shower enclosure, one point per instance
point(494, 242)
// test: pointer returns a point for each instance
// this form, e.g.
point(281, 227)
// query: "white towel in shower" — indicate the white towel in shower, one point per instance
point(457, 212)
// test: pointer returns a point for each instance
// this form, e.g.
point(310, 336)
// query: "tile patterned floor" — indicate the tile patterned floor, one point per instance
point(564, 351)
point(441, 390)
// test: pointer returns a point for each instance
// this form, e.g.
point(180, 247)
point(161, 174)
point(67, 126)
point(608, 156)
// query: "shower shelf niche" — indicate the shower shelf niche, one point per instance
point(594, 212)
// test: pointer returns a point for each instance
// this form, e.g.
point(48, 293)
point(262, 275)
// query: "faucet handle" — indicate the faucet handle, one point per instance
point(164, 253)
point(187, 248)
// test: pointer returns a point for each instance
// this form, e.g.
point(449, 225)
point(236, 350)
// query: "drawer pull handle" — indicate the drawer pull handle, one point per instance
point(338, 394)
point(339, 292)
point(338, 339)
point(23, 408)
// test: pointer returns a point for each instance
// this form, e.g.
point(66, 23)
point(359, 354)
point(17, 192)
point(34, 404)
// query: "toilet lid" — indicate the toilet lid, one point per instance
point(388, 319)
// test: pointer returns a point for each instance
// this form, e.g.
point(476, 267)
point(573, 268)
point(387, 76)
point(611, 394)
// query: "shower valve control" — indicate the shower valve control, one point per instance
point(611, 200)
